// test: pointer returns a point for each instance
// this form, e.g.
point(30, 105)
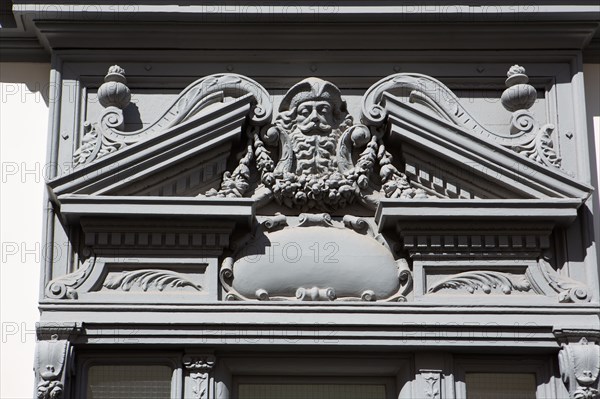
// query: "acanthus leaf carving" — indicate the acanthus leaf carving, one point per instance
point(487, 281)
point(148, 279)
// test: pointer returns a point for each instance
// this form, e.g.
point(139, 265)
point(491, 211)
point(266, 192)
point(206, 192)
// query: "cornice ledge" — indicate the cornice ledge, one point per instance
point(553, 211)
point(73, 207)
point(565, 335)
point(62, 330)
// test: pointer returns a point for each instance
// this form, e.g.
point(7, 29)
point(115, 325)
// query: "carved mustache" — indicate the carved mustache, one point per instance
point(306, 127)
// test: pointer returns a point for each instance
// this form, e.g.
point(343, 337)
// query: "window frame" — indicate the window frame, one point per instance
point(393, 370)
point(387, 382)
point(130, 358)
point(541, 366)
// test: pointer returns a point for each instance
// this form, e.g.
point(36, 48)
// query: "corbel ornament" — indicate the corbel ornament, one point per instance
point(106, 135)
point(199, 367)
point(579, 362)
point(526, 135)
point(50, 364)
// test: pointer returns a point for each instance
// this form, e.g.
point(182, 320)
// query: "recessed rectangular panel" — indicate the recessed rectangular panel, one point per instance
point(311, 390)
point(131, 381)
point(500, 386)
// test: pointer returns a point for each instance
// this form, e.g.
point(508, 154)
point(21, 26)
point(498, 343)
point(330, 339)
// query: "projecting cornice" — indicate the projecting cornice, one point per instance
point(301, 25)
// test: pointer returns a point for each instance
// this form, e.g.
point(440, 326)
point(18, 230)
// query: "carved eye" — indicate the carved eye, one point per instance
point(304, 111)
point(323, 109)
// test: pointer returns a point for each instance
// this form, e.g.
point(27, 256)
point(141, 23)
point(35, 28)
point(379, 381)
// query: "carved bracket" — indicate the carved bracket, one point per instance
point(579, 362)
point(199, 367)
point(50, 364)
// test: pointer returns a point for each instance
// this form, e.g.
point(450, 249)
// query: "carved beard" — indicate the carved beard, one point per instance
point(315, 154)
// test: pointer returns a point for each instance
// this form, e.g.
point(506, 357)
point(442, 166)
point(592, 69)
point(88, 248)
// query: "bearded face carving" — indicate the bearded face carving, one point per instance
point(311, 121)
point(317, 143)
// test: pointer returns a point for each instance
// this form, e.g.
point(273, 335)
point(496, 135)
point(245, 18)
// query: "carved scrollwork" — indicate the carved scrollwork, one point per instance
point(149, 279)
point(525, 135)
point(65, 287)
point(107, 135)
point(568, 290)
point(487, 281)
point(579, 364)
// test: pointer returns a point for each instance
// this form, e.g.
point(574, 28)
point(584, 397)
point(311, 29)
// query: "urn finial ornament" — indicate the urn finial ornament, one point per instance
point(114, 91)
point(519, 94)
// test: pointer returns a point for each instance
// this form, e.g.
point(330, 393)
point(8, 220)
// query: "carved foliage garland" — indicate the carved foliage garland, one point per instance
point(568, 290)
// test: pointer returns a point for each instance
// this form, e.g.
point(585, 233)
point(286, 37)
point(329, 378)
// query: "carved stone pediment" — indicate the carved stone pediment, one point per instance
point(283, 195)
point(314, 156)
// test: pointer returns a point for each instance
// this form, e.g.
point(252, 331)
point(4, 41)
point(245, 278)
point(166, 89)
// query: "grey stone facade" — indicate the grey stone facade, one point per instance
point(345, 190)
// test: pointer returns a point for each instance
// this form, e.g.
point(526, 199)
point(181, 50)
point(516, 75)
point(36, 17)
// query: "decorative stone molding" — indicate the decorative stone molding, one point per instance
point(526, 136)
point(579, 362)
point(568, 290)
point(107, 135)
point(199, 367)
point(486, 281)
point(50, 364)
point(65, 287)
point(130, 276)
point(148, 280)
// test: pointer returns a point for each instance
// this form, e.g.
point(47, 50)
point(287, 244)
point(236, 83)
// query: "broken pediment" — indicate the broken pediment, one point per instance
point(217, 140)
